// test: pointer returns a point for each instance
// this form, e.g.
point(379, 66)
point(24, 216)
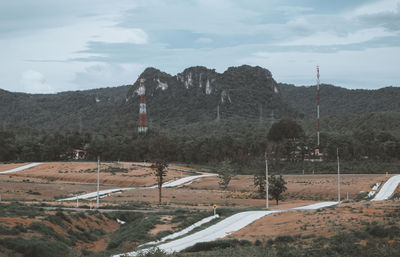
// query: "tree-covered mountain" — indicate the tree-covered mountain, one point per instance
point(340, 101)
point(195, 96)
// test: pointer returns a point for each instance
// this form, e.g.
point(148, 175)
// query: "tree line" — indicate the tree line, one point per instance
point(243, 150)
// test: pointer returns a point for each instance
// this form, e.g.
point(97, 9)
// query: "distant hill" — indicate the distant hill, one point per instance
point(340, 101)
point(195, 96)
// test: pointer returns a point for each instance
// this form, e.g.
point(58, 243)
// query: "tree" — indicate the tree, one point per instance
point(160, 171)
point(259, 181)
point(225, 174)
point(276, 186)
point(285, 129)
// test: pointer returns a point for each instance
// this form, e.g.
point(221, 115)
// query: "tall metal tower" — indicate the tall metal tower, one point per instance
point(143, 125)
point(318, 125)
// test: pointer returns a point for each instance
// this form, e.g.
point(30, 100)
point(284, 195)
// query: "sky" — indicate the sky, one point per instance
point(51, 46)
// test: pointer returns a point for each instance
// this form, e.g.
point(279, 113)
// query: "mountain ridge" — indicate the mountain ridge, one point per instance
point(196, 94)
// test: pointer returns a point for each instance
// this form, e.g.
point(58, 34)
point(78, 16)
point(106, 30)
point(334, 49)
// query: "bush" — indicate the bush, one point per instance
point(15, 209)
point(12, 231)
point(41, 228)
point(284, 239)
point(35, 247)
point(379, 231)
point(219, 244)
point(58, 219)
point(134, 231)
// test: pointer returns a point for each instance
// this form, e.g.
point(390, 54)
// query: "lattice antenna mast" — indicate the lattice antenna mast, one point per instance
point(143, 125)
point(318, 124)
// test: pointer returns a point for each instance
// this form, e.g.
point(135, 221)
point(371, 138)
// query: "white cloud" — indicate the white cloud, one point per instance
point(370, 68)
point(329, 38)
point(376, 7)
point(113, 34)
point(34, 82)
point(102, 75)
point(204, 40)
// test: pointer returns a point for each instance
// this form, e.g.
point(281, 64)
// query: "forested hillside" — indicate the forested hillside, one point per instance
point(341, 101)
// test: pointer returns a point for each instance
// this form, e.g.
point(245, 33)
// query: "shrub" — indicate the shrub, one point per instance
point(12, 231)
point(219, 244)
point(284, 239)
point(35, 247)
point(41, 228)
point(33, 193)
point(134, 231)
point(15, 209)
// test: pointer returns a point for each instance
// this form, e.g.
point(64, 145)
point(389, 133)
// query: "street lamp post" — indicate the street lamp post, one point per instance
point(266, 180)
point(338, 174)
point(98, 181)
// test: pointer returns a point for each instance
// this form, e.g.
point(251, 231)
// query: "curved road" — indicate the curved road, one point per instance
point(387, 189)
point(21, 168)
point(240, 220)
point(174, 183)
point(222, 229)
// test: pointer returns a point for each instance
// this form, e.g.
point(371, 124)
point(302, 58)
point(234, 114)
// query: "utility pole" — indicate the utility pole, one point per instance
point(266, 181)
point(218, 117)
point(318, 124)
point(98, 181)
point(338, 174)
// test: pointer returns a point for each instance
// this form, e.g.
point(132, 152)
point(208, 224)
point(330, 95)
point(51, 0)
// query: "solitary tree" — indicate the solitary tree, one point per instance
point(225, 174)
point(276, 187)
point(160, 171)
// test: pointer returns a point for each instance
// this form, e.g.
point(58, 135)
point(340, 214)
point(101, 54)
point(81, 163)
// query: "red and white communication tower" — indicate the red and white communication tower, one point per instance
point(318, 126)
point(142, 127)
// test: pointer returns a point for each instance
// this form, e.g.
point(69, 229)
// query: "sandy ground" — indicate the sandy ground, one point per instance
point(202, 199)
point(314, 187)
point(23, 190)
point(53, 180)
point(4, 167)
point(86, 172)
point(328, 222)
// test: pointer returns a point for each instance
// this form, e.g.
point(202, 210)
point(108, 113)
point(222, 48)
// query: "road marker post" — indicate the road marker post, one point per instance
point(215, 209)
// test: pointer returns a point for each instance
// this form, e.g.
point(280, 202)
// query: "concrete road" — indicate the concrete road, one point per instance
point(222, 229)
point(387, 189)
point(21, 168)
point(174, 183)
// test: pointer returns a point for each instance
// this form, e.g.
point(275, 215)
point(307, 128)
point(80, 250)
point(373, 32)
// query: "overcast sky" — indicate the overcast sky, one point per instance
point(51, 46)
